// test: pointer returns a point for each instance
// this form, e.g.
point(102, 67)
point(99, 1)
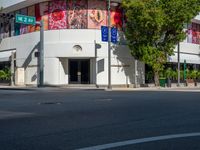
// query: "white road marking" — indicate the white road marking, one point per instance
point(138, 141)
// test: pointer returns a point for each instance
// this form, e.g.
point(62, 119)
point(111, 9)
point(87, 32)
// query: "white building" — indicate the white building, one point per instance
point(73, 50)
point(190, 47)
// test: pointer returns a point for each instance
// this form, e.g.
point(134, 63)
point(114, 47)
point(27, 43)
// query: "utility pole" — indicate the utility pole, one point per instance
point(179, 64)
point(109, 48)
point(136, 66)
point(12, 68)
point(41, 54)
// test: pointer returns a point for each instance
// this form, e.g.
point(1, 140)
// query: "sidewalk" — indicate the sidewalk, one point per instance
point(181, 89)
point(189, 88)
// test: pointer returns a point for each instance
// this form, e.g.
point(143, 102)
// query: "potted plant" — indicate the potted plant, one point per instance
point(168, 75)
point(193, 75)
point(198, 76)
point(149, 77)
point(174, 75)
point(162, 79)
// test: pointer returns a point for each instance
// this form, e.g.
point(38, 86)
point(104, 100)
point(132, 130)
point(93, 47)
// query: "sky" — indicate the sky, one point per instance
point(5, 3)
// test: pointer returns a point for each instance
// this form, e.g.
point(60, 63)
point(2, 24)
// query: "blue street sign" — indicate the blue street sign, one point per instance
point(114, 35)
point(104, 33)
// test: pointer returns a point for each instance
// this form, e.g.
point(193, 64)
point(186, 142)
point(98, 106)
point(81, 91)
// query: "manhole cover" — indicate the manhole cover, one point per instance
point(104, 99)
point(50, 103)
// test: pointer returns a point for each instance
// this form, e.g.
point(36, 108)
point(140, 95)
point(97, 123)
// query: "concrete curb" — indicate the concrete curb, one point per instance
point(189, 89)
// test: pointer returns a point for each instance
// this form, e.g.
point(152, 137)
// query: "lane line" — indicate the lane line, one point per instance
point(138, 141)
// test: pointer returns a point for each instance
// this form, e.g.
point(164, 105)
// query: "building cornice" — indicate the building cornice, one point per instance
point(27, 3)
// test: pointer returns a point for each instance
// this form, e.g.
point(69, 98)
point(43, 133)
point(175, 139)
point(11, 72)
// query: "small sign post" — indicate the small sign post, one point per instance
point(29, 20)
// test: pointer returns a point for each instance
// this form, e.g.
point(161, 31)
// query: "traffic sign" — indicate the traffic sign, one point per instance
point(104, 33)
point(114, 35)
point(29, 20)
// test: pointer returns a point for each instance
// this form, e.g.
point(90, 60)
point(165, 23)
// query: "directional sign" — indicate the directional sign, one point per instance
point(114, 35)
point(29, 20)
point(104, 33)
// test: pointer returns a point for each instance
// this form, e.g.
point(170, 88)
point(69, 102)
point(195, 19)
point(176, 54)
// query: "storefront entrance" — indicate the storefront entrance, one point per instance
point(79, 71)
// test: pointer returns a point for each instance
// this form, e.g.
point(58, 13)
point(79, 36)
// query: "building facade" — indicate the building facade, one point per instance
point(73, 50)
point(189, 48)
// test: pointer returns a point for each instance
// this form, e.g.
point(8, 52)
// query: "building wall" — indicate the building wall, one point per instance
point(59, 47)
point(62, 14)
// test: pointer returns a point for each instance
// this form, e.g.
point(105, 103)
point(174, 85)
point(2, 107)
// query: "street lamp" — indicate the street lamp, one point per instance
point(109, 49)
point(178, 64)
point(109, 42)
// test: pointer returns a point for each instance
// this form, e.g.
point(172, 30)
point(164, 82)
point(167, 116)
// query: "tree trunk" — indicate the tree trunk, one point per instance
point(156, 78)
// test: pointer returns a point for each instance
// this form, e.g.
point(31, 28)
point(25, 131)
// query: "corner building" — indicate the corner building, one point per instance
point(73, 50)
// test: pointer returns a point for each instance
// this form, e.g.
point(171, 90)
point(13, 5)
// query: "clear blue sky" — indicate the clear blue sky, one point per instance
point(5, 3)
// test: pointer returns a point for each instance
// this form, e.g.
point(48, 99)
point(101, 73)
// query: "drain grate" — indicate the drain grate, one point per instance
point(50, 103)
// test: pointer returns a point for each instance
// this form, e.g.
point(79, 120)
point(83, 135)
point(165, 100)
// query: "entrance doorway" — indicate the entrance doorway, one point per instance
point(79, 71)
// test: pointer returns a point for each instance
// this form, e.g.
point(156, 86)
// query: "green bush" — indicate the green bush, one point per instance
point(198, 75)
point(193, 74)
point(174, 74)
point(181, 74)
point(168, 73)
point(149, 75)
point(5, 74)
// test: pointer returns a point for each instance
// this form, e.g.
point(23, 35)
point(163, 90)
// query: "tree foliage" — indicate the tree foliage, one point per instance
point(155, 27)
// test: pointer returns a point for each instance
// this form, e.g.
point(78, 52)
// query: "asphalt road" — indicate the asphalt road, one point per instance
point(70, 119)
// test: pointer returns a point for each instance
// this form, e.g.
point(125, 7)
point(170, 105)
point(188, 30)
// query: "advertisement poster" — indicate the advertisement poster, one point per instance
point(77, 14)
point(198, 38)
point(97, 14)
point(189, 35)
point(31, 12)
point(6, 28)
point(116, 17)
point(41, 12)
point(1, 29)
point(24, 28)
point(17, 26)
point(12, 25)
point(57, 15)
point(194, 37)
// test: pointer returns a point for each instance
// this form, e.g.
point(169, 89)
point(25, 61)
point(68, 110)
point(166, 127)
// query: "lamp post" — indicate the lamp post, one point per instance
point(178, 64)
point(109, 42)
point(109, 49)
point(41, 54)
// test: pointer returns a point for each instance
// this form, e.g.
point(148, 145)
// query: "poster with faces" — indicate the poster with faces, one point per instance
point(57, 15)
point(116, 17)
point(77, 14)
point(23, 27)
point(41, 12)
point(97, 14)
point(31, 12)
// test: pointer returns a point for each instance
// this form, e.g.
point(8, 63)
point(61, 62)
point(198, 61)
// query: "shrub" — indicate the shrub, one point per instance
point(5, 74)
point(193, 74)
point(168, 73)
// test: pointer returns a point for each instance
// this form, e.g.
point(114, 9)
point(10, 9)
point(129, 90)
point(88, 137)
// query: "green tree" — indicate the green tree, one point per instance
point(155, 27)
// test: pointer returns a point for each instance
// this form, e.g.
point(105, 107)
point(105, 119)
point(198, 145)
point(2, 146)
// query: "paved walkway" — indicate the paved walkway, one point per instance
point(192, 89)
